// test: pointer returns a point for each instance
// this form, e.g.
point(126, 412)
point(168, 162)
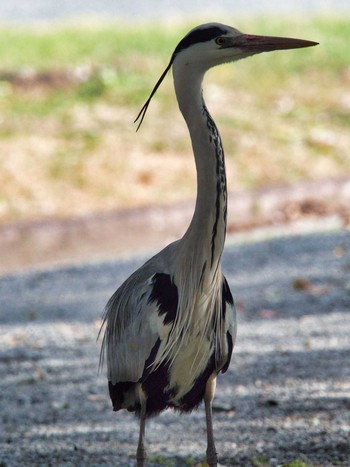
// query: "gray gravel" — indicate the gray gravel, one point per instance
point(285, 397)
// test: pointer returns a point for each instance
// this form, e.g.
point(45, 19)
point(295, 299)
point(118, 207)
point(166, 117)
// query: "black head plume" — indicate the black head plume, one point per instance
point(142, 113)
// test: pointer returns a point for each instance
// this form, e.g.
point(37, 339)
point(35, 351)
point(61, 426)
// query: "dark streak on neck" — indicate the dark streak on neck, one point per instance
point(221, 186)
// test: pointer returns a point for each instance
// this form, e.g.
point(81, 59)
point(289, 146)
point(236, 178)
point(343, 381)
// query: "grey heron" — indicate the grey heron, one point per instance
point(170, 328)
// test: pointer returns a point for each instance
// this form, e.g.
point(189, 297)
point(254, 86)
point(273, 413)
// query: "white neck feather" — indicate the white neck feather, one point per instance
point(208, 226)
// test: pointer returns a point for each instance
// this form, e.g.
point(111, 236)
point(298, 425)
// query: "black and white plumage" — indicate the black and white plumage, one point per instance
point(170, 327)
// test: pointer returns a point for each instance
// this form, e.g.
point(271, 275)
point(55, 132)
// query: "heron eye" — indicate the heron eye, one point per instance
point(219, 40)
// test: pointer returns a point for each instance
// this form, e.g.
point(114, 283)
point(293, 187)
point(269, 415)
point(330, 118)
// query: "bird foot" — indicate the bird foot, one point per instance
point(141, 457)
point(212, 458)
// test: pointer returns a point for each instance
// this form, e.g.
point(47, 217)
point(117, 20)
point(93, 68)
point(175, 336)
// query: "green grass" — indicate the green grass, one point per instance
point(61, 46)
point(127, 60)
point(71, 45)
point(284, 117)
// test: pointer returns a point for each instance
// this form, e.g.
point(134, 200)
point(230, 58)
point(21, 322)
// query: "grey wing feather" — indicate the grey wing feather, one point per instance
point(128, 338)
point(132, 323)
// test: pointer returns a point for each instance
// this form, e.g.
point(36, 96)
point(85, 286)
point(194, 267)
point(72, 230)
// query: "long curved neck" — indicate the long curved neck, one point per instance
point(208, 226)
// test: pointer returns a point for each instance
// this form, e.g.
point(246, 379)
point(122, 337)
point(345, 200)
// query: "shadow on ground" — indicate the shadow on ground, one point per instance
point(285, 397)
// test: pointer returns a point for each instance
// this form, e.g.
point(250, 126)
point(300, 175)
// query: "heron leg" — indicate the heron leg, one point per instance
point(212, 457)
point(141, 451)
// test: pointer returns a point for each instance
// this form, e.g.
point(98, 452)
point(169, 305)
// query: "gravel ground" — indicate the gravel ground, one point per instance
point(285, 396)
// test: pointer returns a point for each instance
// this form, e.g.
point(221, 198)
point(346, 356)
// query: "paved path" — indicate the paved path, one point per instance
point(285, 397)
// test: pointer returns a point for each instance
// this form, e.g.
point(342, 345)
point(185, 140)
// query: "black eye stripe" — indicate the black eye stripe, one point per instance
point(199, 35)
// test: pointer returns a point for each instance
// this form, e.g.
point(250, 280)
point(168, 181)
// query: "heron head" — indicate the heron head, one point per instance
point(213, 44)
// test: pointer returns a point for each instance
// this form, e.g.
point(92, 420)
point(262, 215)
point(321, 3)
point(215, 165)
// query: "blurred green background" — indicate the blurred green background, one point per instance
point(69, 94)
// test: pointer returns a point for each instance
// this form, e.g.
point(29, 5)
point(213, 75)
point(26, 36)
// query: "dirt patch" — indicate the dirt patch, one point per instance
point(118, 233)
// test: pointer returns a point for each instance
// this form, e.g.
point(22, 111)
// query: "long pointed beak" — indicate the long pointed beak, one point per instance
point(256, 44)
